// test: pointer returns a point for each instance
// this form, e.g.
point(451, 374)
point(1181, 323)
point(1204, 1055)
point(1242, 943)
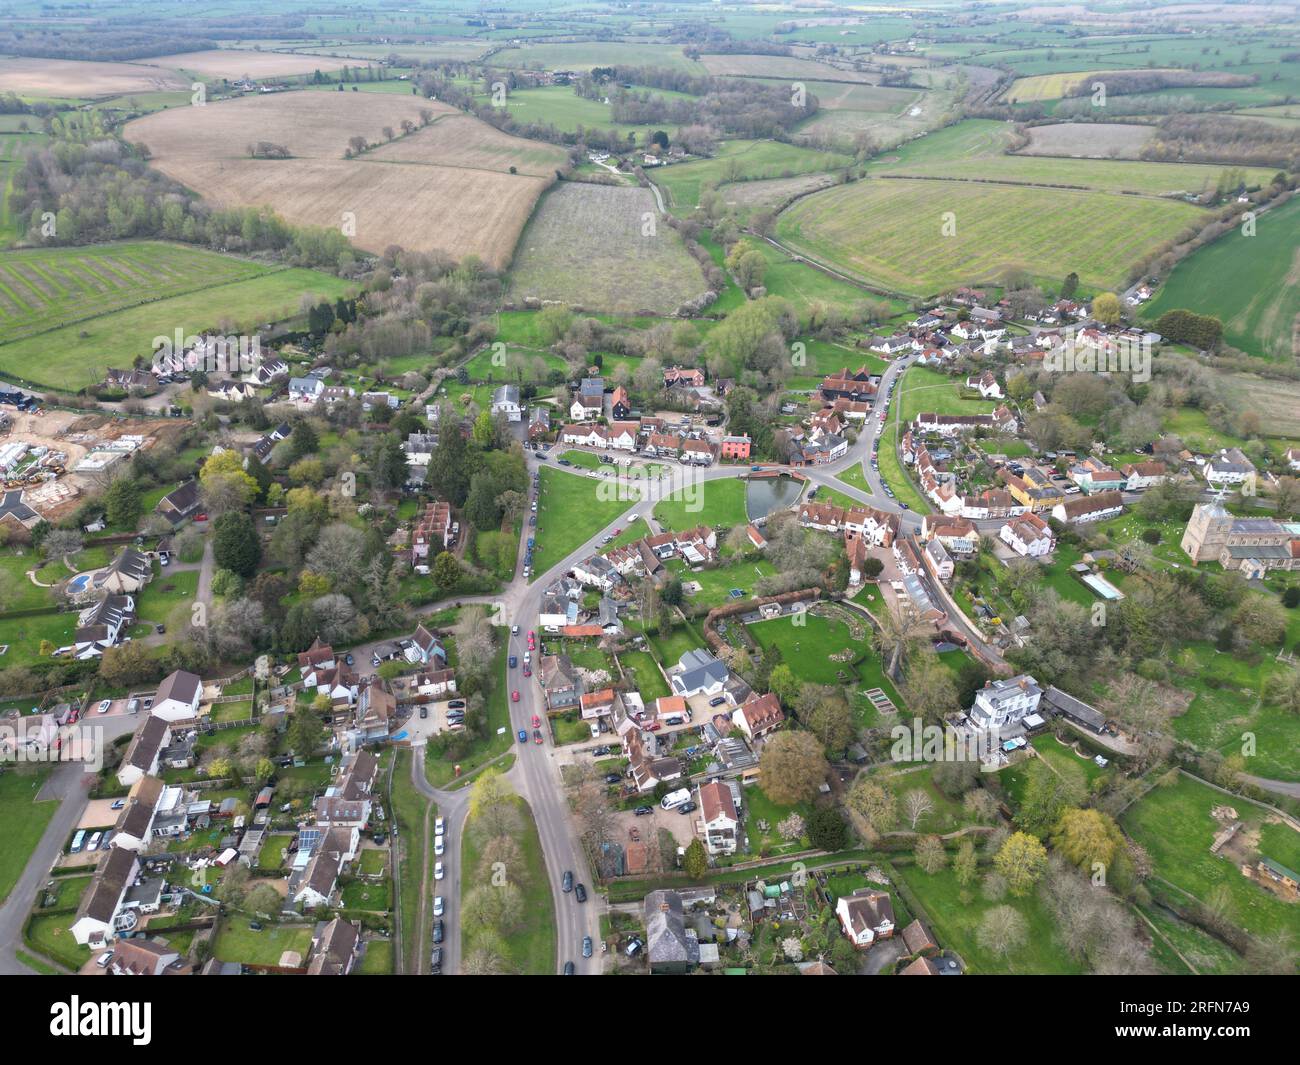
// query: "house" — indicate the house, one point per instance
point(93, 924)
point(426, 648)
point(697, 453)
point(917, 939)
point(320, 878)
point(986, 384)
point(1230, 467)
point(735, 448)
point(698, 673)
point(719, 823)
point(180, 504)
point(597, 704)
point(1028, 535)
point(1005, 701)
point(622, 435)
point(434, 684)
point(676, 376)
point(586, 434)
point(505, 400)
point(589, 400)
point(598, 572)
point(433, 531)
point(1142, 475)
point(758, 716)
point(316, 656)
point(268, 371)
point(937, 560)
point(539, 421)
point(305, 391)
point(376, 708)
point(129, 572)
point(1075, 709)
point(178, 697)
point(865, 916)
point(144, 751)
point(620, 406)
point(647, 767)
point(663, 445)
point(1092, 476)
point(139, 382)
point(755, 537)
point(1292, 458)
point(1097, 507)
point(146, 957)
point(101, 626)
point(560, 683)
point(855, 385)
point(134, 826)
point(335, 946)
point(671, 947)
point(232, 391)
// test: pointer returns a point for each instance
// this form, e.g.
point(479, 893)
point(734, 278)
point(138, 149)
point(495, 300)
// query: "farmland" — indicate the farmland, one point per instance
point(604, 248)
point(13, 148)
point(459, 140)
point(1109, 140)
point(742, 161)
point(587, 54)
point(779, 66)
point(62, 79)
point(873, 228)
point(77, 355)
point(1251, 283)
point(46, 289)
point(421, 205)
point(1053, 86)
point(232, 63)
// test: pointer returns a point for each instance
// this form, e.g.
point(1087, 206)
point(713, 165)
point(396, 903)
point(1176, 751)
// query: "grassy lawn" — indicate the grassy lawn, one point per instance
point(1175, 825)
point(51, 935)
point(716, 584)
point(409, 807)
point(237, 942)
point(807, 650)
point(21, 593)
point(271, 857)
point(762, 816)
point(441, 771)
point(165, 593)
point(374, 861)
point(569, 512)
point(645, 674)
point(531, 950)
point(24, 636)
point(670, 648)
point(368, 895)
point(377, 959)
point(954, 919)
point(23, 818)
point(947, 814)
point(716, 503)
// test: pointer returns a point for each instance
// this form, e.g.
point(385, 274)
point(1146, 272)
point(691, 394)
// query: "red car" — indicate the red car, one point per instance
point(200, 517)
point(514, 696)
point(528, 671)
point(537, 721)
point(532, 635)
point(537, 735)
point(654, 726)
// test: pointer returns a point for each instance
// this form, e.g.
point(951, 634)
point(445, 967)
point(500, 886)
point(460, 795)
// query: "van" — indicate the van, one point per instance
point(77, 841)
point(133, 707)
point(676, 798)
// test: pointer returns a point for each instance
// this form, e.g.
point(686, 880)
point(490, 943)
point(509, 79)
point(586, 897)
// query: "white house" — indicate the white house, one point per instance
point(622, 435)
point(142, 754)
point(698, 673)
point(1027, 535)
point(178, 697)
point(1005, 701)
point(865, 916)
point(719, 823)
point(306, 390)
point(505, 400)
point(100, 905)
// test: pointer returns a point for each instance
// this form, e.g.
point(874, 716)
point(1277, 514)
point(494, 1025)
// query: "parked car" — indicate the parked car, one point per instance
point(686, 808)
point(612, 778)
point(580, 892)
point(439, 930)
point(437, 870)
point(254, 926)
point(105, 706)
point(424, 712)
point(599, 752)
point(437, 905)
point(586, 946)
point(439, 846)
point(641, 811)
point(717, 700)
point(118, 804)
point(435, 961)
point(566, 881)
point(349, 660)
point(456, 704)
point(103, 960)
point(569, 970)
point(439, 826)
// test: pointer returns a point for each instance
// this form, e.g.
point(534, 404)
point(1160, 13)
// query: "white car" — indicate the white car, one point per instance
point(105, 706)
point(437, 870)
point(514, 630)
point(439, 845)
point(103, 960)
point(437, 905)
point(439, 826)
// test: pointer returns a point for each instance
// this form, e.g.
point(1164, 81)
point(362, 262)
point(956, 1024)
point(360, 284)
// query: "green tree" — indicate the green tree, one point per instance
point(235, 544)
point(696, 861)
point(1022, 860)
point(122, 503)
point(446, 571)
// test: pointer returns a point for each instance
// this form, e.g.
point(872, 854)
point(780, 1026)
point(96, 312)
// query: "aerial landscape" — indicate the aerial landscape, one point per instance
point(650, 488)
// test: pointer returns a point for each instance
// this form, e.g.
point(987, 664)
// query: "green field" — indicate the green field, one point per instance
point(1175, 825)
point(1252, 284)
point(569, 512)
point(44, 289)
point(13, 149)
point(715, 503)
point(741, 161)
point(78, 355)
point(23, 820)
point(873, 228)
point(604, 248)
point(587, 54)
point(531, 950)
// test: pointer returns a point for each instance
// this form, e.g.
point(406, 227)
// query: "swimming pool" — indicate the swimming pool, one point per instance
point(79, 584)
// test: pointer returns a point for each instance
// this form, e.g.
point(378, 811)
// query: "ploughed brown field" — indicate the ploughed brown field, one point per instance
point(427, 191)
point(234, 63)
point(62, 78)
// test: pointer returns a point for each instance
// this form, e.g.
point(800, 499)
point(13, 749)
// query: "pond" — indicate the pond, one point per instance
point(766, 494)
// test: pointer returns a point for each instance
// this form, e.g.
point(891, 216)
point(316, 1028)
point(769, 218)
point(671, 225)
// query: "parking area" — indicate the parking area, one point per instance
point(682, 826)
point(434, 719)
point(99, 813)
